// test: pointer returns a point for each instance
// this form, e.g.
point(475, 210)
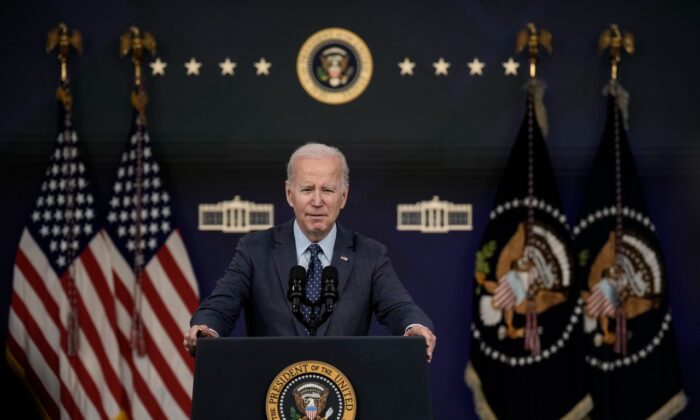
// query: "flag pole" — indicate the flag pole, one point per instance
point(136, 42)
point(533, 39)
point(63, 41)
point(614, 40)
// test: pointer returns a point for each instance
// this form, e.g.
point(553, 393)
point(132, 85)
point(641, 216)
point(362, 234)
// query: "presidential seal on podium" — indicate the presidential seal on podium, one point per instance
point(310, 390)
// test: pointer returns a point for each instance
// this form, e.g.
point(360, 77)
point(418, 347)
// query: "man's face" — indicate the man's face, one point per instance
point(316, 193)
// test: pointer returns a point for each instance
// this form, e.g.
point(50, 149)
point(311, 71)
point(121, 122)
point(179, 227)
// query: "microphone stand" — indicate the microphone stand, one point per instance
point(328, 299)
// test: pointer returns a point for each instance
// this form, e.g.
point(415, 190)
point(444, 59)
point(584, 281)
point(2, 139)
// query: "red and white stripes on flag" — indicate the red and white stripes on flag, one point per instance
point(84, 386)
point(158, 384)
point(101, 381)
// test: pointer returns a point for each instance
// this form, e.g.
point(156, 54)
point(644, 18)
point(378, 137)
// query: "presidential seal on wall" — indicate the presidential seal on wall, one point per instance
point(334, 66)
point(310, 390)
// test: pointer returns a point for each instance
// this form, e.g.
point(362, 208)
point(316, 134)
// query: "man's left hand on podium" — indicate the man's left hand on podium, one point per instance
point(422, 331)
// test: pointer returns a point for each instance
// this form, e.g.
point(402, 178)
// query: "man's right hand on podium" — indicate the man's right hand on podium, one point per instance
point(196, 331)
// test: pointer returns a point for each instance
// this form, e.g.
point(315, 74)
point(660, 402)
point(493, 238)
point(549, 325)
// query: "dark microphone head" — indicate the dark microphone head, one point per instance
point(295, 294)
point(296, 273)
point(329, 292)
point(330, 273)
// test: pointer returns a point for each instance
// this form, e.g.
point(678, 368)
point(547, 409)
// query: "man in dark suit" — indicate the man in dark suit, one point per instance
point(257, 278)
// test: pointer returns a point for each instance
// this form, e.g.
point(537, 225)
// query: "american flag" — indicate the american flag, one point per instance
point(62, 317)
point(155, 287)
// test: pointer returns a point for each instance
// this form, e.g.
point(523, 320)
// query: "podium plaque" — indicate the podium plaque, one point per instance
point(329, 378)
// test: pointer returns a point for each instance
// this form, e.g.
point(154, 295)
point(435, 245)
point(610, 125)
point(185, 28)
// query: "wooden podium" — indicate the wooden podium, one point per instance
point(251, 378)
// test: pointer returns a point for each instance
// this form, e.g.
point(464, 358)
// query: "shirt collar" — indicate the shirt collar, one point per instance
point(302, 242)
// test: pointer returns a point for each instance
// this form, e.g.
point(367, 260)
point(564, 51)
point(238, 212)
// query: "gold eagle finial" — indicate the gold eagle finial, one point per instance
point(62, 39)
point(133, 40)
point(136, 41)
point(531, 38)
point(615, 40)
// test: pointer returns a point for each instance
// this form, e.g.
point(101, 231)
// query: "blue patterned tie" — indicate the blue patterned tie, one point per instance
point(313, 284)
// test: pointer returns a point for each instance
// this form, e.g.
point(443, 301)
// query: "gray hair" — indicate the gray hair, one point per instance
point(319, 151)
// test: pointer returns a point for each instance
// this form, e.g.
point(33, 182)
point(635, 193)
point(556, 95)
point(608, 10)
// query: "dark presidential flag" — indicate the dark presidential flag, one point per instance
point(630, 347)
point(155, 287)
point(61, 334)
point(526, 359)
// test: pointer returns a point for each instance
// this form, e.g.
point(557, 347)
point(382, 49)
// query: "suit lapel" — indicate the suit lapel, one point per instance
point(285, 257)
point(343, 260)
point(344, 256)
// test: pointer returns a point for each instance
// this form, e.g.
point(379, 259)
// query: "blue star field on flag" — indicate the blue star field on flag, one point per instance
point(139, 220)
point(63, 220)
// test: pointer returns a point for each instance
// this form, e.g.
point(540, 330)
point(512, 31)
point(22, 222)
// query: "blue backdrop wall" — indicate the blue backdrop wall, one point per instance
point(406, 138)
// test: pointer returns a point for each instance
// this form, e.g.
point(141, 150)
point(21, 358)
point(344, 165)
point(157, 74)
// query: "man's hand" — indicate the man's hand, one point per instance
point(190, 341)
point(430, 339)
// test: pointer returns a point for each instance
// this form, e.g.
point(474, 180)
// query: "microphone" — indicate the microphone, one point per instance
point(329, 287)
point(295, 294)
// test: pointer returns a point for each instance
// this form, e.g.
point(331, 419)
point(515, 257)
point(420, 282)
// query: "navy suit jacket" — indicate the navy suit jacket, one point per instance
point(258, 278)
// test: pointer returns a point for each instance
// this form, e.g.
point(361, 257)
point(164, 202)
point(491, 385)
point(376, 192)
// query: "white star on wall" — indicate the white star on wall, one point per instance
point(158, 67)
point(262, 67)
point(511, 67)
point(193, 67)
point(476, 67)
point(227, 67)
point(406, 67)
point(441, 67)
